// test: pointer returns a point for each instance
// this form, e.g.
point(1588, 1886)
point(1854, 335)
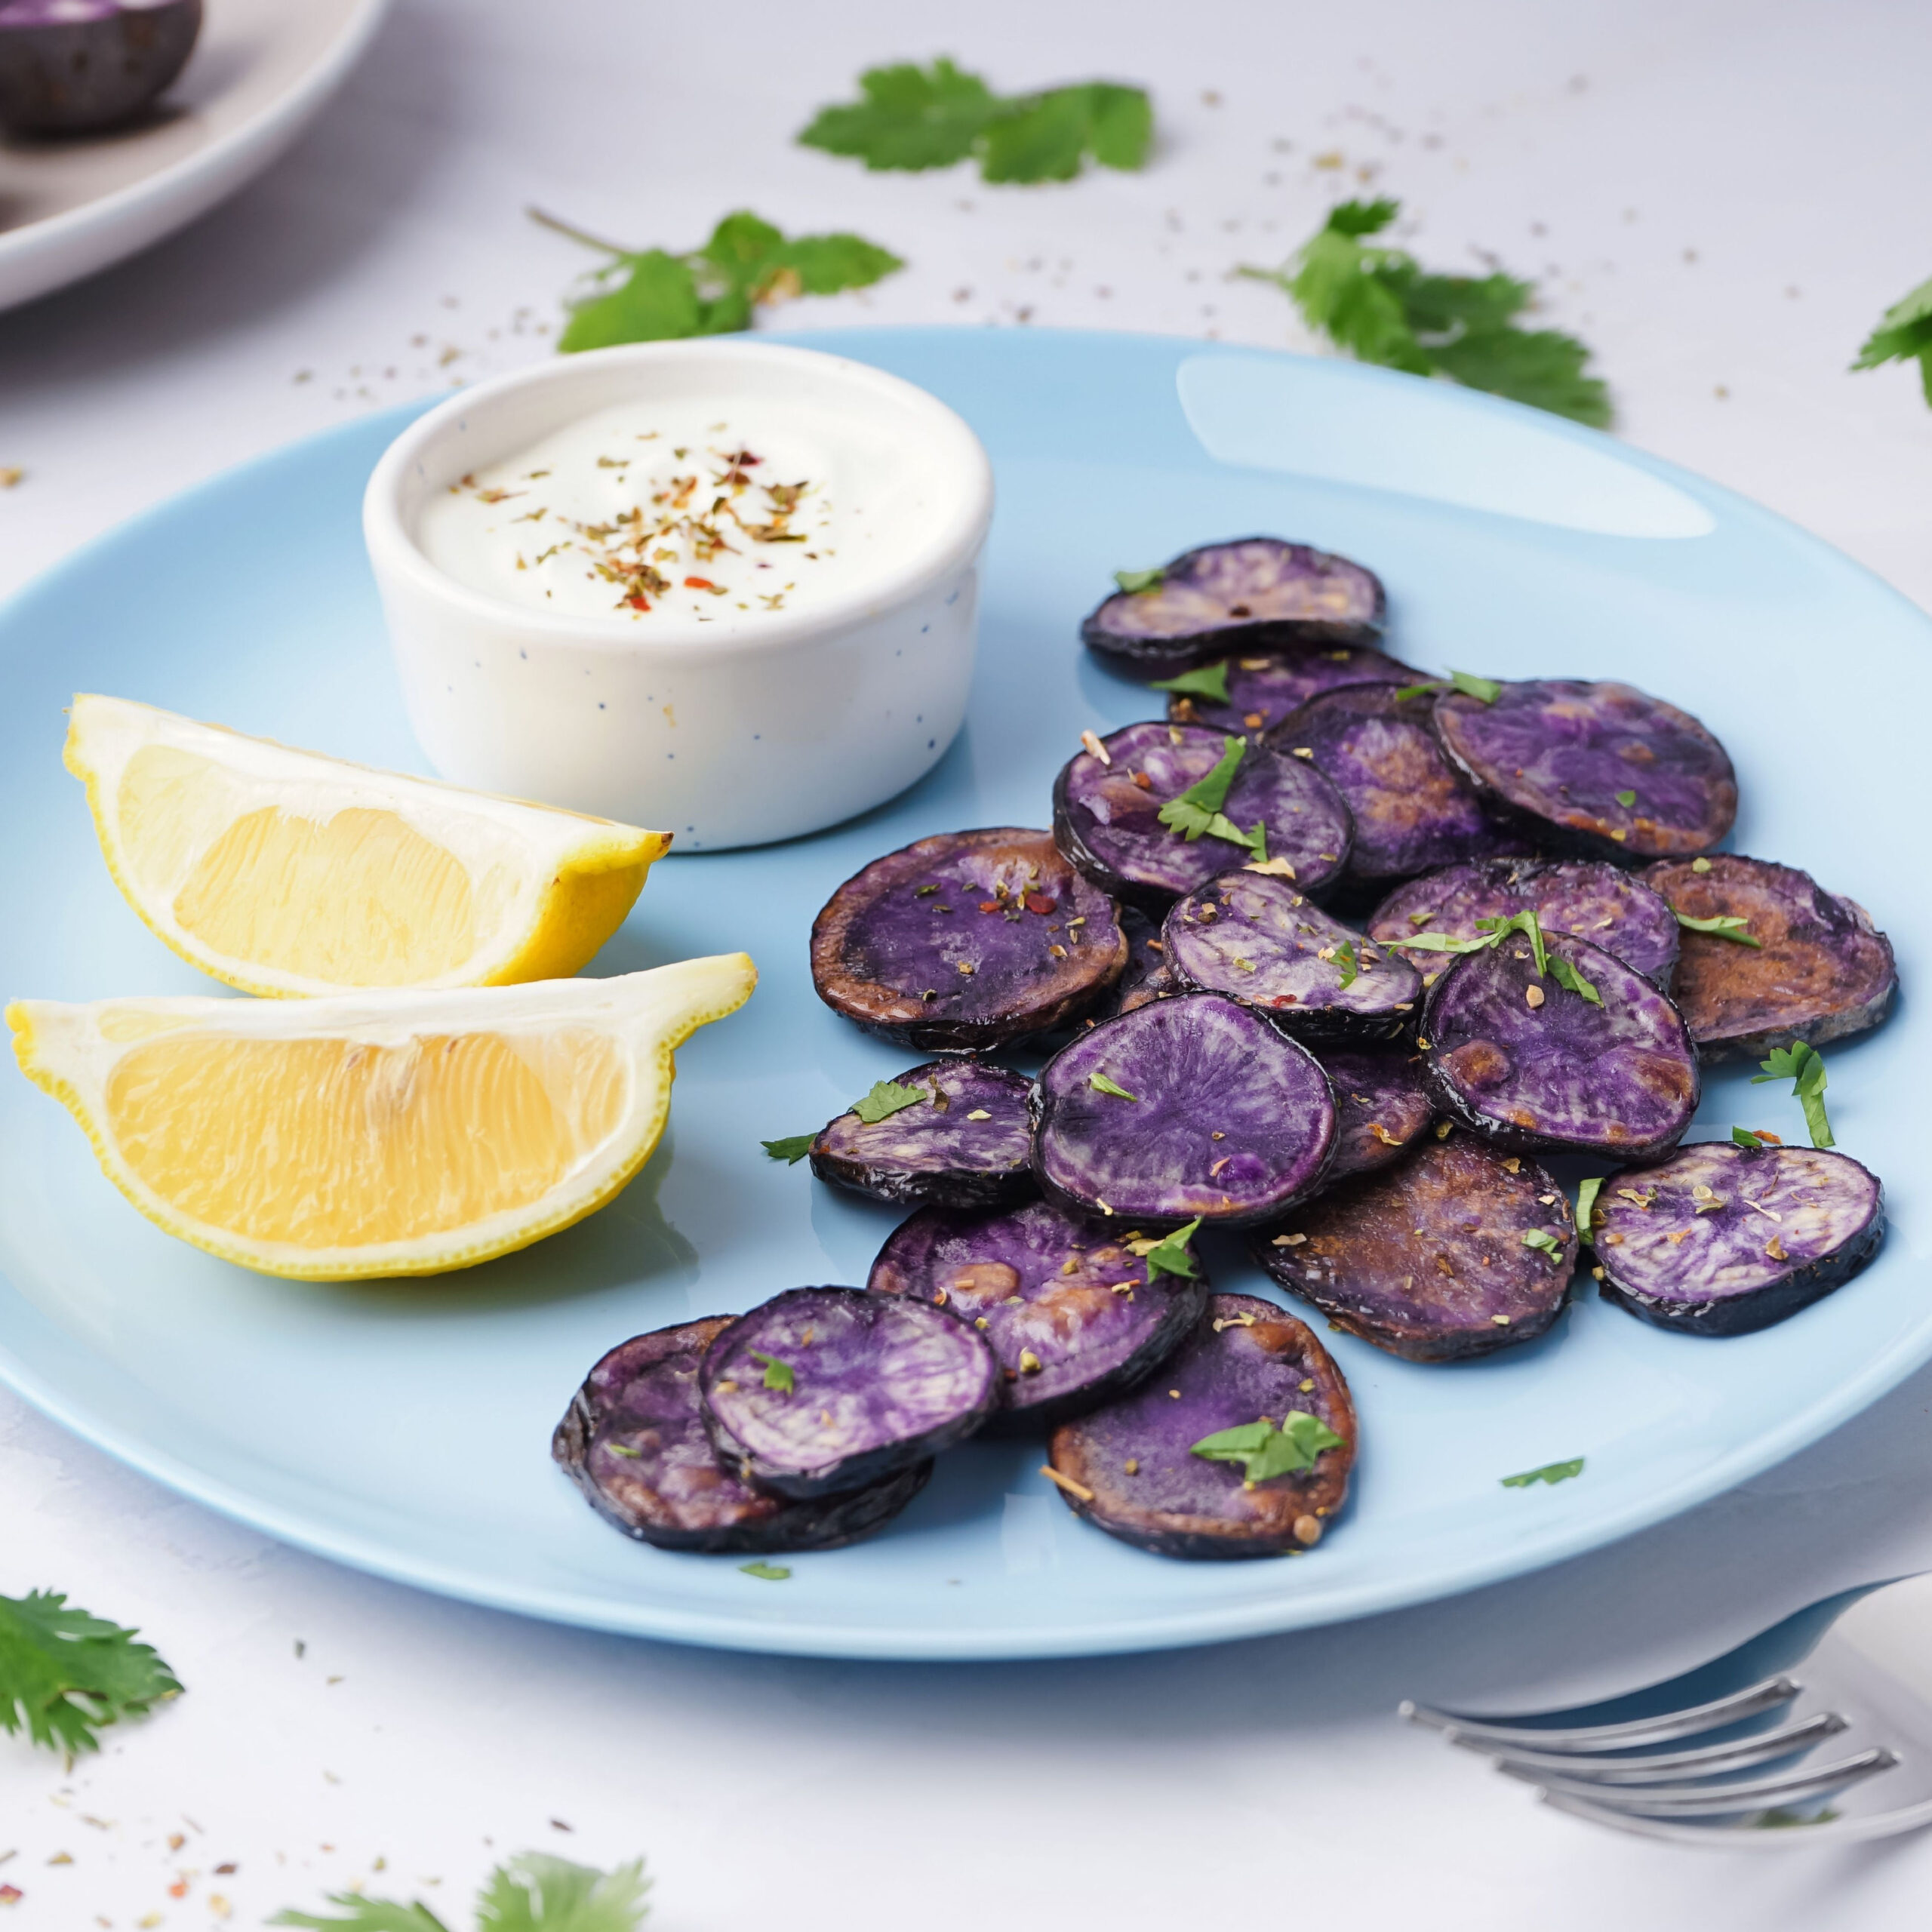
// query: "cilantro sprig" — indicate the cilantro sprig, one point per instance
point(1198, 810)
point(1265, 1451)
point(1904, 334)
point(914, 118)
point(792, 1149)
point(533, 1892)
point(713, 289)
point(63, 1673)
point(1550, 1473)
point(1383, 306)
point(1545, 1243)
point(1170, 1255)
point(1804, 1066)
point(1209, 680)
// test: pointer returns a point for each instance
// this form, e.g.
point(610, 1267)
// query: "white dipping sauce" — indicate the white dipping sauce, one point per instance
point(673, 513)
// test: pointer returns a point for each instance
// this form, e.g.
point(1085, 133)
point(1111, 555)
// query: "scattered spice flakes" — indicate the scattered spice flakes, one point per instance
point(11, 476)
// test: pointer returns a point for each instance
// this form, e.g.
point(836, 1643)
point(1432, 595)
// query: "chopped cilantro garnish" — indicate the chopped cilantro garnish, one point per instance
point(1170, 1256)
point(778, 1374)
point(713, 289)
point(1345, 958)
point(66, 1673)
point(1485, 690)
point(1198, 810)
point(1134, 582)
point(1101, 1084)
point(887, 1098)
point(1541, 1239)
point(792, 1149)
point(767, 1572)
point(1379, 304)
point(1525, 922)
point(1265, 1451)
point(533, 1892)
point(1588, 1189)
point(914, 118)
point(1721, 925)
point(1626, 799)
point(1567, 975)
point(1744, 1137)
point(1550, 1473)
point(1904, 334)
point(1804, 1066)
point(1209, 681)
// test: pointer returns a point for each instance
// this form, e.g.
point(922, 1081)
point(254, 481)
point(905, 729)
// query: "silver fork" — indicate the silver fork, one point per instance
point(1822, 1724)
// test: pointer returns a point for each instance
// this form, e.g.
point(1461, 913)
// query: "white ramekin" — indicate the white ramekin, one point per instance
point(775, 728)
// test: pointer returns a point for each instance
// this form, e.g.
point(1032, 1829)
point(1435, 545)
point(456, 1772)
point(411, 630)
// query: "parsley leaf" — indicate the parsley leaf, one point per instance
point(1546, 1243)
point(1722, 925)
point(1170, 1256)
point(1209, 681)
point(887, 1098)
point(1550, 1473)
point(1265, 1451)
point(1485, 690)
point(766, 1573)
point(361, 1915)
point(778, 1374)
point(1379, 304)
point(1134, 582)
point(1746, 1136)
point(791, 1150)
point(1345, 958)
point(1804, 1066)
point(1588, 1189)
point(533, 1892)
point(1198, 810)
point(1904, 334)
point(714, 289)
point(912, 117)
point(66, 1673)
point(1525, 922)
point(1567, 975)
point(1101, 1084)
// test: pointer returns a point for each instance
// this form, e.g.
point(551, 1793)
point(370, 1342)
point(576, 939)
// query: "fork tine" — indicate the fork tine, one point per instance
point(1721, 1800)
point(1747, 1834)
point(1661, 1768)
point(1479, 1735)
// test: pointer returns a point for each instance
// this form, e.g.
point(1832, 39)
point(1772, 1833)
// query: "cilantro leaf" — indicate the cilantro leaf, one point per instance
point(534, 1892)
point(1567, 975)
point(1743, 1137)
point(65, 1673)
point(887, 1098)
point(1626, 799)
point(1345, 957)
point(1198, 808)
point(1588, 1189)
point(766, 1573)
point(1101, 1084)
point(778, 1374)
point(912, 117)
point(791, 1150)
point(361, 1915)
point(1804, 1066)
point(1904, 334)
point(1209, 680)
point(1550, 1473)
point(1545, 1242)
point(1721, 925)
point(1134, 582)
point(1498, 930)
point(1265, 1451)
point(1379, 304)
point(657, 301)
point(1170, 1256)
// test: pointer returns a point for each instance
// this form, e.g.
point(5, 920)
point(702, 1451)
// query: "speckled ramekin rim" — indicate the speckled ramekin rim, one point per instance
point(949, 548)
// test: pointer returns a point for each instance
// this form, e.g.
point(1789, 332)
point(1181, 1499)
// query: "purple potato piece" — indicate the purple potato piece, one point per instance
point(1411, 811)
point(1382, 1104)
point(1555, 757)
point(1073, 1316)
point(79, 66)
point(1107, 816)
point(1535, 1067)
point(822, 1390)
point(633, 1440)
point(1724, 1240)
point(1253, 938)
point(1230, 1120)
point(1821, 969)
point(1590, 897)
point(1130, 1469)
point(1263, 690)
point(965, 941)
point(937, 1151)
point(1148, 975)
point(1255, 593)
point(1427, 1259)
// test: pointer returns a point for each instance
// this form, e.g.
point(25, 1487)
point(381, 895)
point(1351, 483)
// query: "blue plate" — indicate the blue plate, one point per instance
point(403, 1427)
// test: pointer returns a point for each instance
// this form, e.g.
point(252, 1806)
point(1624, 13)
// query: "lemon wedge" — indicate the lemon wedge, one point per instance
point(284, 872)
point(376, 1133)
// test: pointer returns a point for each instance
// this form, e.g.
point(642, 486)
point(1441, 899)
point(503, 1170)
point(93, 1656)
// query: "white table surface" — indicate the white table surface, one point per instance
point(1720, 197)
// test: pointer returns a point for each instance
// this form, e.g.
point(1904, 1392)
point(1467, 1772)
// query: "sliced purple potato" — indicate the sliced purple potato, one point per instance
point(633, 1440)
point(1602, 770)
point(1411, 811)
point(1148, 975)
point(1227, 1119)
point(1590, 897)
point(1107, 814)
point(1533, 1066)
point(79, 66)
point(1261, 690)
point(1255, 593)
point(1075, 1318)
point(970, 1144)
point(1381, 1105)
point(822, 1390)
point(1253, 937)
point(1430, 1259)
point(1820, 970)
point(964, 941)
point(1723, 1240)
point(1130, 1469)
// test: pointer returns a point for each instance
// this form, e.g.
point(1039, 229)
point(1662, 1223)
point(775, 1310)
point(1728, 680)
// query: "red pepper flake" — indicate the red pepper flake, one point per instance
point(1141, 779)
point(10, 1895)
point(990, 905)
point(638, 603)
point(699, 583)
point(1037, 902)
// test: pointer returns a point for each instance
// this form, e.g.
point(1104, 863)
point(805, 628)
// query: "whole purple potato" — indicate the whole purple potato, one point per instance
point(77, 67)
